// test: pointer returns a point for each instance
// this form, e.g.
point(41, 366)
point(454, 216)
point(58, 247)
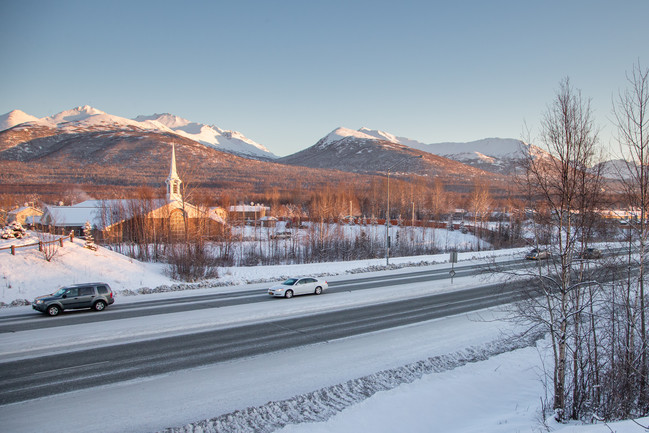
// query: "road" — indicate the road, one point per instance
point(48, 375)
point(32, 320)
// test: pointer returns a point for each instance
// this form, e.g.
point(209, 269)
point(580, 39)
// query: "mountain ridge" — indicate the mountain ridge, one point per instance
point(359, 152)
point(86, 118)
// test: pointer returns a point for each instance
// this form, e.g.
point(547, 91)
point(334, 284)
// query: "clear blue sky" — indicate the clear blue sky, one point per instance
point(286, 73)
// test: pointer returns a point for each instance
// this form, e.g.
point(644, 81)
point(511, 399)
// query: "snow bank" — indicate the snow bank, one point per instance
point(324, 403)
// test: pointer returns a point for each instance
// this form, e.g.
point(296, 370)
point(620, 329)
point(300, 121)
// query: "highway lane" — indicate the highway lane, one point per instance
point(35, 320)
point(48, 375)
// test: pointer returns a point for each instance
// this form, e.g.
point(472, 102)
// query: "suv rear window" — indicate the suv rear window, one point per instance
point(103, 290)
point(86, 291)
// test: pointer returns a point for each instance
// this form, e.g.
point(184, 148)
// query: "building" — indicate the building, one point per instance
point(25, 215)
point(251, 213)
point(138, 220)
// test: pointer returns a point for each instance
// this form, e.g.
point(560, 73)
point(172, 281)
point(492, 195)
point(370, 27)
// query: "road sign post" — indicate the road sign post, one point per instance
point(453, 260)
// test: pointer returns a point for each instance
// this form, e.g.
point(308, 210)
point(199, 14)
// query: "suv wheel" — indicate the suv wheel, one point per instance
point(53, 310)
point(99, 305)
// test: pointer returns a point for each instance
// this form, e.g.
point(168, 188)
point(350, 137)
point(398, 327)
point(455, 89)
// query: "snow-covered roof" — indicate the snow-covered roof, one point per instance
point(33, 219)
point(248, 208)
point(105, 213)
point(70, 216)
point(25, 208)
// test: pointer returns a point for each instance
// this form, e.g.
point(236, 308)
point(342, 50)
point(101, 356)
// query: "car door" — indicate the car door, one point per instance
point(309, 285)
point(86, 297)
point(70, 298)
point(298, 287)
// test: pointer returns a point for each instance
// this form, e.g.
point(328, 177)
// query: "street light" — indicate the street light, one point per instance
point(387, 210)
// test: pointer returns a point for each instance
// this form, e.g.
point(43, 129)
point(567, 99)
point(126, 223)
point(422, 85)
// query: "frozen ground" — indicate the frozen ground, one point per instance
point(458, 374)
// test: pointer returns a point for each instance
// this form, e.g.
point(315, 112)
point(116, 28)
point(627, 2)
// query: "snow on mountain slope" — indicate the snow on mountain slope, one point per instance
point(341, 133)
point(499, 155)
point(381, 135)
point(85, 118)
point(13, 118)
point(617, 169)
point(210, 135)
point(358, 152)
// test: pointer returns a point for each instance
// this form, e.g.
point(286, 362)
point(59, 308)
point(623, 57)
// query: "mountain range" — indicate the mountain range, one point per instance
point(494, 155)
point(68, 145)
point(363, 148)
point(86, 118)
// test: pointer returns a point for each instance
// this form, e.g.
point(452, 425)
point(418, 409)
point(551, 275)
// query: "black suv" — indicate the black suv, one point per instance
point(88, 295)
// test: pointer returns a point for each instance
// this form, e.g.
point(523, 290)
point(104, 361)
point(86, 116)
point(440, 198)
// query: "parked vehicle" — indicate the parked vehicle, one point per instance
point(298, 286)
point(591, 253)
point(88, 295)
point(537, 254)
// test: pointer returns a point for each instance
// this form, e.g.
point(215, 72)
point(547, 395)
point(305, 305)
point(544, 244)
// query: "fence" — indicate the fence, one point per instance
point(40, 244)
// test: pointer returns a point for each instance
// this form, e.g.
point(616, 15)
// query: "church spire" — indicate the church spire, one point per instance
point(173, 181)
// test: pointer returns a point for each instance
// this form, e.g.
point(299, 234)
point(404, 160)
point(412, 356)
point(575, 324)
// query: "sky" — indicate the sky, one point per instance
point(285, 73)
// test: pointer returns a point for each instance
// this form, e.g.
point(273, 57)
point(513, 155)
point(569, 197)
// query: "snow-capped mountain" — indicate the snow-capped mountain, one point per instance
point(496, 155)
point(366, 151)
point(13, 118)
point(617, 169)
point(210, 135)
point(88, 119)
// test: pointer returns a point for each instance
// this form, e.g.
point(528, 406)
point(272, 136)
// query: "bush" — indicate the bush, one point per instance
point(191, 262)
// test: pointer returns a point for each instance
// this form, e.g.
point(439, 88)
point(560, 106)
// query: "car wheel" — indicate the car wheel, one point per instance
point(53, 310)
point(99, 305)
point(288, 294)
point(318, 290)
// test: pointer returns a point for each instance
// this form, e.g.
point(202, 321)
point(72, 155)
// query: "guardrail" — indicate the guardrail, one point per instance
point(40, 244)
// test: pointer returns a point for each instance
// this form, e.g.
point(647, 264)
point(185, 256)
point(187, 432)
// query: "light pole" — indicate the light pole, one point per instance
point(387, 210)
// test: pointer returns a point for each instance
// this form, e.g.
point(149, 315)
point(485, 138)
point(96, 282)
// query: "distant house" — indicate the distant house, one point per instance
point(251, 213)
point(268, 221)
point(24, 215)
point(131, 219)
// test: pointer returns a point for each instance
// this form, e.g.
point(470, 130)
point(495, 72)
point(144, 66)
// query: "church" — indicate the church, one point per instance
point(139, 220)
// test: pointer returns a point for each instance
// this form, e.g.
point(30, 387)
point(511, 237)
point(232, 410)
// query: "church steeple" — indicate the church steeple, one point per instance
point(173, 181)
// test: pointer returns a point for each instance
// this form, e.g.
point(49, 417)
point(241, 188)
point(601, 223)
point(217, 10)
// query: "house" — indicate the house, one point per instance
point(136, 220)
point(24, 215)
point(251, 214)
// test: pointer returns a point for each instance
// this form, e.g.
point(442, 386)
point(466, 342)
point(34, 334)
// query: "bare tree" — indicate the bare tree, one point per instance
point(631, 114)
point(48, 245)
point(480, 203)
point(560, 183)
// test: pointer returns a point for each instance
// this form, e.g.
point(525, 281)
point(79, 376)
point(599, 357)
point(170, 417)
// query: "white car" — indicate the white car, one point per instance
point(298, 286)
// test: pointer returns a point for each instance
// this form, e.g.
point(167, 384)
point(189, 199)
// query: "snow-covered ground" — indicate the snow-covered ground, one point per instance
point(27, 274)
point(457, 374)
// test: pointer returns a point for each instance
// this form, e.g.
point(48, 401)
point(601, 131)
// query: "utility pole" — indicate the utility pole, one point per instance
point(387, 210)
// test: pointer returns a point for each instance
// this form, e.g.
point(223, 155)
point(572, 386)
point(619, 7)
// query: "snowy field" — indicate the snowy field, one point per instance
point(74, 264)
point(457, 374)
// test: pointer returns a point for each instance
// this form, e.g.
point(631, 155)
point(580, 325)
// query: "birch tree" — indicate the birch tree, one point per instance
point(631, 115)
point(559, 183)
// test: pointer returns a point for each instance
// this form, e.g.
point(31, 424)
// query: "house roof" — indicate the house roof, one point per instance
point(248, 208)
point(105, 213)
point(25, 208)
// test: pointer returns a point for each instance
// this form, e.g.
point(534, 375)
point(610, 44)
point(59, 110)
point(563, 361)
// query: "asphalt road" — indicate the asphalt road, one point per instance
point(48, 375)
point(35, 320)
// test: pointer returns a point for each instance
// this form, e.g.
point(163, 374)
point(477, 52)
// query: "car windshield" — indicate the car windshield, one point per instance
point(289, 282)
point(60, 291)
